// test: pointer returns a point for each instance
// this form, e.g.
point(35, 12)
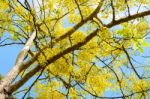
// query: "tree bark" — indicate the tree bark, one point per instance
point(13, 73)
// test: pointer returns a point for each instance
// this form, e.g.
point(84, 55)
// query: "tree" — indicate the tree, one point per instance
point(77, 48)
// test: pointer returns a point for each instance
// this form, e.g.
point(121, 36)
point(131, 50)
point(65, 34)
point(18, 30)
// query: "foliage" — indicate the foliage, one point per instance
point(82, 48)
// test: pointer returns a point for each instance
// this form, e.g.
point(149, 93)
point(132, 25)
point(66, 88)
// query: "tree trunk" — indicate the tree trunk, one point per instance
point(4, 95)
point(13, 73)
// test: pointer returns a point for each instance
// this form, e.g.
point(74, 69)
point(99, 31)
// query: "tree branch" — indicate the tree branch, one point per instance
point(79, 9)
point(27, 64)
point(128, 57)
point(129, 18)
point(18, 84)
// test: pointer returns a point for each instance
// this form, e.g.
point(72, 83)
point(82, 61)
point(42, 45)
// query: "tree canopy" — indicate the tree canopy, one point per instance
point(77, 48)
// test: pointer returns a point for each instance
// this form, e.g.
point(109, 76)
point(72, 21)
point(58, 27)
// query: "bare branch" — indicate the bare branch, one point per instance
point(126, 1)
point(129, 18)
point(79, 9)
point(128, 57)
point(113, 10)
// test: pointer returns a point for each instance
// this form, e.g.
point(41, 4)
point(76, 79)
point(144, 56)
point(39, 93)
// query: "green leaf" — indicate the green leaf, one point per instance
point(14, 36)
point(141, 50)
point(145, 44)
point(30, 97)
point(135, 46)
